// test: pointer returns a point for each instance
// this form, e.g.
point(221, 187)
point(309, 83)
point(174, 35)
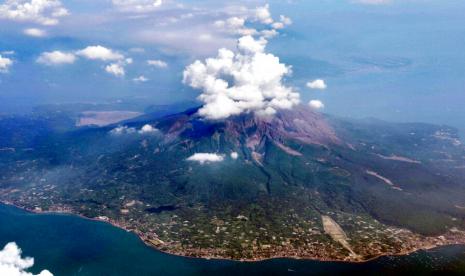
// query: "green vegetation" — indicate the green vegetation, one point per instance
point(267, 203)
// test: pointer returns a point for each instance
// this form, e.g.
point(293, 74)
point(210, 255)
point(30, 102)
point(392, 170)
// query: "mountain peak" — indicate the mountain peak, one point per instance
point(300, 123)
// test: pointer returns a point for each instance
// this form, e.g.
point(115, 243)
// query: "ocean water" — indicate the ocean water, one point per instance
point(70, 245)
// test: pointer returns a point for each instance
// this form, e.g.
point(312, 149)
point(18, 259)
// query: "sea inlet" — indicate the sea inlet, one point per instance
point(70, 245)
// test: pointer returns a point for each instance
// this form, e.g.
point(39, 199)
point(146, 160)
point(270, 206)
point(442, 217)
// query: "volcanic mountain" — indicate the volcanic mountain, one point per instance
point(296, 184)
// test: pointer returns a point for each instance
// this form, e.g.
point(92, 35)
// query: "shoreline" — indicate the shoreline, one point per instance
point(254, 260)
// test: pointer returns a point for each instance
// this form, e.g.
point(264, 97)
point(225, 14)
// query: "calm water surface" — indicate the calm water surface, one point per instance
point(69, 245)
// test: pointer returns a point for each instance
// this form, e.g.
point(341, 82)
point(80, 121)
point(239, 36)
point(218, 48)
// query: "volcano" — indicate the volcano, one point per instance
point(297, 184)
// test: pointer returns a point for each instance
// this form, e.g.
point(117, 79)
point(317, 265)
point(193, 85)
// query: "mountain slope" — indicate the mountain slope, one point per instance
point(390, 188)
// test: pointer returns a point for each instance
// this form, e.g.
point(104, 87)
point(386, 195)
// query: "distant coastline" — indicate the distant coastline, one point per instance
point(252, 260)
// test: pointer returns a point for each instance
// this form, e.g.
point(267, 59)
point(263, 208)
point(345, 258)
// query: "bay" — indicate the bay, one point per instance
point(71, 245)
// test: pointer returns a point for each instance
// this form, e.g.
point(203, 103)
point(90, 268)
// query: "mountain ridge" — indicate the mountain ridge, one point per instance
point(389, 188)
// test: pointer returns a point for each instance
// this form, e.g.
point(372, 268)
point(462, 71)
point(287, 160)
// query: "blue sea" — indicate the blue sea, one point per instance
point(70, 245)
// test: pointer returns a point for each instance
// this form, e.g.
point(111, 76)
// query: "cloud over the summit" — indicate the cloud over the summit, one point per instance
point(44, 12)
point(5, 64)
point(12, 264)
point(249, 80)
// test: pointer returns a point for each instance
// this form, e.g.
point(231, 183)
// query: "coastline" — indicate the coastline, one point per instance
point(250, 260)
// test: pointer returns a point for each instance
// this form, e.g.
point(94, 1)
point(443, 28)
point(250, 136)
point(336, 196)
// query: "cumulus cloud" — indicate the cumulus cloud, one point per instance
point(203, 158)
point(45, 12)
point(234, 155)
point(56, 58)
point(247, 81)
point(285, 20)
point(316, 104)
point(157, 63)
point(122, 130)
point(317, 84)
point(237, 24)
point(146, 129)
point(35, 32)
point(141, 78)
point(12, 264)
point(99, 53)
point(5, 64)
point(137, 6)
point(117, 68)
point(263, 15)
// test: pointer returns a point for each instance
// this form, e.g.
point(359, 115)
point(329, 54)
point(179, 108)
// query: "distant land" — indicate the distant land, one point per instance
point(100, 249)
point(297, 185)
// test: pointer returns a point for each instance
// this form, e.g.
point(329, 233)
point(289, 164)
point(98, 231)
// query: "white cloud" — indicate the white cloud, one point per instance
point(147, 129)
point(237, 24)
point(99, 53)
point(45, 12)
point(5, 64)
point(56, 58)
point(12, 264)
point(282, 23)
point(316, 104)
point(140, 79)
point(157, 63)
point(269, 33)
point(116, 69)
point(122, 130)
point(35, 32)
point(285, 20)
point(247, 81)
point(317, 84)
point(263, 15)
point(206, 158)
point(137, 6)
point(234, 155)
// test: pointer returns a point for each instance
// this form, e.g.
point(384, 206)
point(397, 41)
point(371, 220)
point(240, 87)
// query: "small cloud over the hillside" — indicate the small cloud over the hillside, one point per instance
point(203, 158)
point(316, 104)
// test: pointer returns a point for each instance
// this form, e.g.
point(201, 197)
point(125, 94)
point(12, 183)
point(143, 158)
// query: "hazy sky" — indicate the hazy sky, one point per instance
point(398, 60)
